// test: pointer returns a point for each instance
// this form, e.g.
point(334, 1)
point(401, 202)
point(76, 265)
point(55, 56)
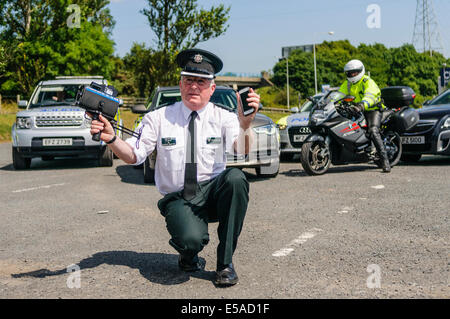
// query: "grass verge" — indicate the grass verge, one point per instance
point(7, 118)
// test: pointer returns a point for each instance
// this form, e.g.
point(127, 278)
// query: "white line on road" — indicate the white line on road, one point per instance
point(38, 187)
point(378, 186)
point(298, 241)
point(345, 210)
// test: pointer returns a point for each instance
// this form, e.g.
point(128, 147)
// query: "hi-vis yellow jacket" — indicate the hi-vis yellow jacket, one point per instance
point(365, 91)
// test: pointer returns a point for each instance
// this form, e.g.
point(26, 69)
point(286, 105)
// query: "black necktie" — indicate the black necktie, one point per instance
point(190, 172)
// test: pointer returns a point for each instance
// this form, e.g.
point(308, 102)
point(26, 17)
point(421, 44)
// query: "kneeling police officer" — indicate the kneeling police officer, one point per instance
point(191, 138)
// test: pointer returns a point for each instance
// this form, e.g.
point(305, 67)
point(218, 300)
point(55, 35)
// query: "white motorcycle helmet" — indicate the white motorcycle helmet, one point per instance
point(354, 70)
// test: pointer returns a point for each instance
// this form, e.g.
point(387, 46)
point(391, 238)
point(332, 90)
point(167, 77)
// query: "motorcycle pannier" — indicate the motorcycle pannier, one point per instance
point(397, 96)
point(406, 119)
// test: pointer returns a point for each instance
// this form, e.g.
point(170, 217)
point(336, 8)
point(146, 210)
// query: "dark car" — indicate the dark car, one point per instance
point(265, 152)
point(431, 135)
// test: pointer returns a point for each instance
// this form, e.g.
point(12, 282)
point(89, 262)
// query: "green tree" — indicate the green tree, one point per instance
point(388, 67)
point(330, 60)
point(139, 62)
point(377, 60)
point(417, 70)
point(179, 24)
point(42, 43)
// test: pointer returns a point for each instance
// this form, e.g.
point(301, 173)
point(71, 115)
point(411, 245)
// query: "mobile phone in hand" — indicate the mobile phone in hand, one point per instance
point(247, 110)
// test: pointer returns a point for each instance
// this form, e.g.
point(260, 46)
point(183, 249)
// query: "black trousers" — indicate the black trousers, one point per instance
point(223, 199)
point(373, 119)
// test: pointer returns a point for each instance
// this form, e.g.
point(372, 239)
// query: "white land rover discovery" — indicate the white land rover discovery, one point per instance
point(52, 126)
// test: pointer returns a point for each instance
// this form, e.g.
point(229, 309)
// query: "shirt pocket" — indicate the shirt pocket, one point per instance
point(172, 157)
point(211, 154)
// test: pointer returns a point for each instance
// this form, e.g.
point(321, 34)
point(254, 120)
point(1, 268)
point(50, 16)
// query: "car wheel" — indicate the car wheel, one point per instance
point(269, 171)
point(106, 157)
point(20, 162)
point(410, 158)
point(149, 173)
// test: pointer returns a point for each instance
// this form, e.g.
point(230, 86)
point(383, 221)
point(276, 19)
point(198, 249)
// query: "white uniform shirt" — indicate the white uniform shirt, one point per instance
point(166, 129)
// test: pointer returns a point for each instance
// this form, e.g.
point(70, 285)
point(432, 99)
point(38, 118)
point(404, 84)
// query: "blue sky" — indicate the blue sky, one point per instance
point(258, 29)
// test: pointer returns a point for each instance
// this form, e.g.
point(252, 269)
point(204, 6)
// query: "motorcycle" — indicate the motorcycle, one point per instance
point(339, 136)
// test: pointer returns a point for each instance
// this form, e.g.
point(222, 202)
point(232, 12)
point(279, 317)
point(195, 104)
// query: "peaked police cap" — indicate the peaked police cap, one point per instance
point(199, 63)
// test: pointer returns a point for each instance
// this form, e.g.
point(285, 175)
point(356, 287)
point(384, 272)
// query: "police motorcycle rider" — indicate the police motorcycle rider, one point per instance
point(367, 100)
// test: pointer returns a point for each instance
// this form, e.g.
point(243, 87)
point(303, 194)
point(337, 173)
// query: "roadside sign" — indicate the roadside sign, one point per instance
point(445, 76)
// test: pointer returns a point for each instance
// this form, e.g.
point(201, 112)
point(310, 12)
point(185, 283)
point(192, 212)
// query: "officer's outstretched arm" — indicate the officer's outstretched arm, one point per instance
point(122, 149)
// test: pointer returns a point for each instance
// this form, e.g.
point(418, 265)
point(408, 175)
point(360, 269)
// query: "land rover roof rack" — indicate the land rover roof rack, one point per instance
point(79, 77)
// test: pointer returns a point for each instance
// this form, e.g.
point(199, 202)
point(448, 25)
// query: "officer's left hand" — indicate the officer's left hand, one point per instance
point(355, 109)
point(253, 101)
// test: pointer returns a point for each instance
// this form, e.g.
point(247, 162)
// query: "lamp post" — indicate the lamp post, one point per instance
point(315, 67)
point(287, 80)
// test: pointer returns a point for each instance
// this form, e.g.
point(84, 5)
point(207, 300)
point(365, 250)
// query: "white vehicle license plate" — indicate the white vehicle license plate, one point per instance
point(56, 141)
point(413, 139)
point(300, 138)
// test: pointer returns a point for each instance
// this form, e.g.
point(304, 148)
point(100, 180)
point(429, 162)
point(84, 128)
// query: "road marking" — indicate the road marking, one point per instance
point(378, 186)
point(345, 210)
point(38, 187)
point(296, 242)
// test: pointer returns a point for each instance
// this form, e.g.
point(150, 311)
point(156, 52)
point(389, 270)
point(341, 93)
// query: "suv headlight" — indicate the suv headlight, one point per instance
point(446, 123)
point(87, 121)
point(268, 129)
point(23, 122)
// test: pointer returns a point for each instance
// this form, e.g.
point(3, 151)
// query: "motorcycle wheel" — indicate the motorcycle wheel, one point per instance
point(315, 158)
point(393, 144)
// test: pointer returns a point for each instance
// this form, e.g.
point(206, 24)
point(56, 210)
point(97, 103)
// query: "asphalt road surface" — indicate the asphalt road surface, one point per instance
point(70, 229)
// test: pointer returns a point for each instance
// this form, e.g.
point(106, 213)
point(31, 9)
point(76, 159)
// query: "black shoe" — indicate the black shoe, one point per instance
point(386, 166)
point(190, 264)
point(226, 276)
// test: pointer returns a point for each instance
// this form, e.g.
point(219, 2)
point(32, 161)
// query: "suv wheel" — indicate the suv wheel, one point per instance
point(20, 162)
point(105, 157)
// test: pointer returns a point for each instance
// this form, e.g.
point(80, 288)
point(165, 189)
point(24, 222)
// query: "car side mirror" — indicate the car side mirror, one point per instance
point(22, 104)
point(294, 109)
point(139, 109)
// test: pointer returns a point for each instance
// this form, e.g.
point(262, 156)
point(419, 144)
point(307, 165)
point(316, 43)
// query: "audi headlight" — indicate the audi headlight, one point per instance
point(23, 122)
point(281, 126)
point(265, 129)
point(446, 124)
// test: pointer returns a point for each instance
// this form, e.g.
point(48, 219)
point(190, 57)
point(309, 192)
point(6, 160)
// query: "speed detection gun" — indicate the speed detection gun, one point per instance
point(100, 99)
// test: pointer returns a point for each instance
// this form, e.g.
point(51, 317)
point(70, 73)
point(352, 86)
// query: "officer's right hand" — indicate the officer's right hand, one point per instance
point(102, 125)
